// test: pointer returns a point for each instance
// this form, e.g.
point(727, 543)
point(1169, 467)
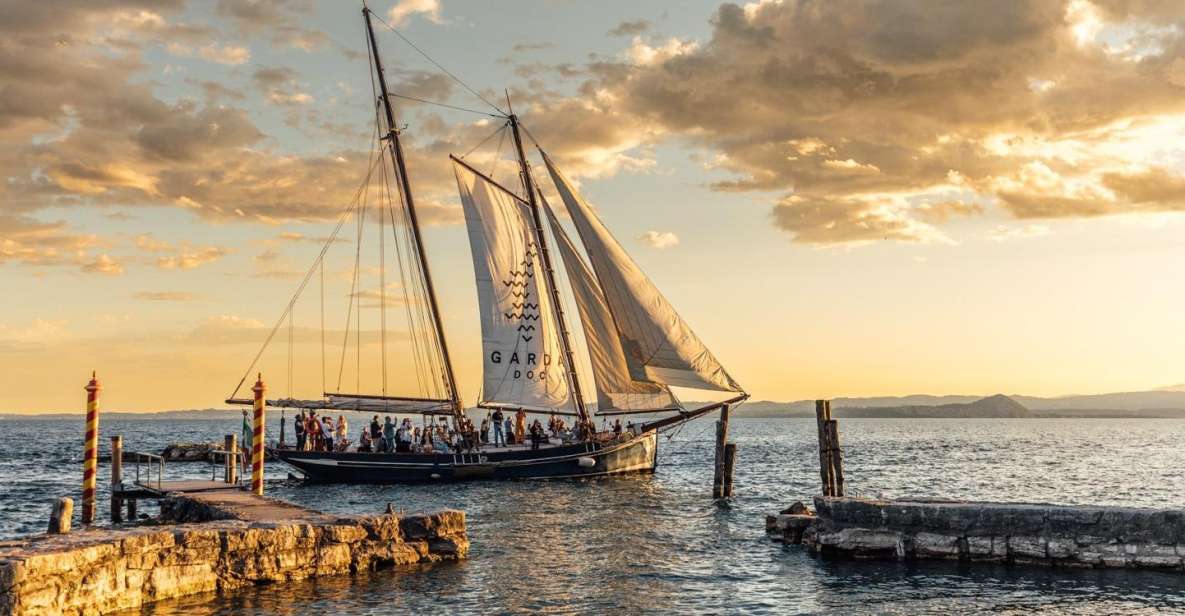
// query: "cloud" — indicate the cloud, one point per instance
point(166, 296)
point(102, 264)
point(659, 239)
point(1003, 233)
point(231, 55)
point(279, 85)
point(630, 28)
point(404, 9)
point(190, 258)
point(851, 107)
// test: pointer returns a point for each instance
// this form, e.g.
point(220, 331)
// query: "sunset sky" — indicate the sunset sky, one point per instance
point(842, 198)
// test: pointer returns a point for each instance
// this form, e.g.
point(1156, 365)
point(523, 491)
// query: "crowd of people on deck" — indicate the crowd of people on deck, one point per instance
point(497, 429)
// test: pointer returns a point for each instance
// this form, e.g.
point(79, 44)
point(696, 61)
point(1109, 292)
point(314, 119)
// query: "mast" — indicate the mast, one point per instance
point(396, 146)
point(529, 185)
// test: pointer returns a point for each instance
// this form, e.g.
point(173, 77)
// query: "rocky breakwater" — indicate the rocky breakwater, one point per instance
point(104, 570)
point(1009, 533)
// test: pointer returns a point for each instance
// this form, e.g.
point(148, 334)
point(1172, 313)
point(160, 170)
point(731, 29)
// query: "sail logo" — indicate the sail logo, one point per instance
point(524, 363)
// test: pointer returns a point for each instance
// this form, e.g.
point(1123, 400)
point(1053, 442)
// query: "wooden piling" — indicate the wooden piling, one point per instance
point(283, 422)
point(721, 442)
point(90, 451)
point(116, 478)
point(61, 516)
point(730, 455)
point(231, 463)
point(822, 415)
point(131, 509)
point(257, 439)
point(836, 455)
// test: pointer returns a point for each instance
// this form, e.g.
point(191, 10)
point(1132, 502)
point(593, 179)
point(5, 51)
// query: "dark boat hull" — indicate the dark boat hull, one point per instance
point(636, 455)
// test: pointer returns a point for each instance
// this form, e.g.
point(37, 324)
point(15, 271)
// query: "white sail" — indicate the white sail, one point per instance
point(616, 390)
point(522, 360)
point(653, 335)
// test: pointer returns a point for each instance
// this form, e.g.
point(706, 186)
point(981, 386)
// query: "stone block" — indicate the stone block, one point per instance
point(1027, 547)
point(934, 545)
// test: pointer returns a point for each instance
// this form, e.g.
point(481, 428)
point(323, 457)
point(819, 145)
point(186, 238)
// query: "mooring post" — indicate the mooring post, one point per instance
point(836, 457)
point(60, 517)
point(231, 463)
point(721, 441)
point(90, 461)
point(730, 456)
point(283, 421)
point(116, 478)
point(257, 439)
point(822, 415)
point(132, 509)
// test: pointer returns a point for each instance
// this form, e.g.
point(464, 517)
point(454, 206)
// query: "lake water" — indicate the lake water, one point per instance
point(658, 544)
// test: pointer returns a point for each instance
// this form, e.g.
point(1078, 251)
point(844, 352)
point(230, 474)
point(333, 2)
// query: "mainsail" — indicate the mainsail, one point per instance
point(522, 359)
point(653, 336)
point(616, 390)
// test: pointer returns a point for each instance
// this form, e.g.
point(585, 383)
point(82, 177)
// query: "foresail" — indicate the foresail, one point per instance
point(616, 390)
point(522, 359)
point(653, 335)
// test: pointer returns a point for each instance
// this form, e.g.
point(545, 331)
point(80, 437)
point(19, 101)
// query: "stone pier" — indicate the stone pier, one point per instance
point(218, 548)
point(1008, 533)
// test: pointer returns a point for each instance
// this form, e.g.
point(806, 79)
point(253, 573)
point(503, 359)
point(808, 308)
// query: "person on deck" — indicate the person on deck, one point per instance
point(364, 441)
point(298, 427)
point(327, 431)
point(313, 431)
point(485, 430)
point(499, 439)
point(617, 427)
point(343, 429)
point(508, 426)
point(537, 434)
point(520, 426)
point(388, 434)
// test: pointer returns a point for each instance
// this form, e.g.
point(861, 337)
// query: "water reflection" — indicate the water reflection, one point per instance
point(657, 544)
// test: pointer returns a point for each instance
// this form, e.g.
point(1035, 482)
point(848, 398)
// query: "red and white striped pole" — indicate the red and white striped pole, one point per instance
point(257, 439)
point(91, 455)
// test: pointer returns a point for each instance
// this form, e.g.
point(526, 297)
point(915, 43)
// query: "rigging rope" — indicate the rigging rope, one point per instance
point(438, 65)
point(308, 275)
point(440, 104)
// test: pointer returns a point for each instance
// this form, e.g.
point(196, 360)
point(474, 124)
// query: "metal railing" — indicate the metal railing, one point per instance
point(150, 460)
point(226, 458)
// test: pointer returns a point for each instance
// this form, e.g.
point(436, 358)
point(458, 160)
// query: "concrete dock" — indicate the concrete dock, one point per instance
point(1004, 533)
point(212, 538)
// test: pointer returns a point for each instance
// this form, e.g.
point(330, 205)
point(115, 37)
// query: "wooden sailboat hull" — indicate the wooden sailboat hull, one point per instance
point(635, 455)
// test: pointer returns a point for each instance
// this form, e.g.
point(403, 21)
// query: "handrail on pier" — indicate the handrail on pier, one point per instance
point(218, 460)
point(149, 459)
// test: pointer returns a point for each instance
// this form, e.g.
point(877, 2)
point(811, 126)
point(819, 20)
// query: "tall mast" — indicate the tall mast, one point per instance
point(396, 146)
point(532, 200)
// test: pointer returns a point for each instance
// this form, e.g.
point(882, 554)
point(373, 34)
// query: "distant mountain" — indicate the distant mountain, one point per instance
point(998, 405)
point(1166, 402)
point(992, 406)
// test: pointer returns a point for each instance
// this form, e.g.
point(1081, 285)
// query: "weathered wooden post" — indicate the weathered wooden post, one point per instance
point(821, 417)
point(60, 517)
point(90, 461)
point(836, 457)
point(730, 456)
point(721, 442)
point(116, 478)
point(283, 421)
point(257, 439)
point(132, 509)
point(231, 463)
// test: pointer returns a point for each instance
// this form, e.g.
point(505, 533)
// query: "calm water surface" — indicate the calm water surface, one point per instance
point(657, 543)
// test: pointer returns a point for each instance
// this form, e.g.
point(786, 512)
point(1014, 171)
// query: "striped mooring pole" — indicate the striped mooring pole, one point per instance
point(91, 456)
point(257, 439)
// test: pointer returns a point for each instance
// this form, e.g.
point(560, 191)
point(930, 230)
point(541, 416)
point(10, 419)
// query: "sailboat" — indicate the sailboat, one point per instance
point(638, 347)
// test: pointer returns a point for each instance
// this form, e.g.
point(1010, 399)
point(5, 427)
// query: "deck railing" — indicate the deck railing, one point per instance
point(150, 460)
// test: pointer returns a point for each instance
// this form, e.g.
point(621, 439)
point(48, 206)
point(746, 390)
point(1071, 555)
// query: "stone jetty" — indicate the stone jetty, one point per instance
point(1006, 533)
point(227, 540)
